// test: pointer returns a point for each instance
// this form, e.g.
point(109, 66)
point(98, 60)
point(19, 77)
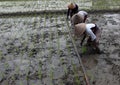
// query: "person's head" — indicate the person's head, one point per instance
point(80, 29)
point(71, 6)
point(76, 19)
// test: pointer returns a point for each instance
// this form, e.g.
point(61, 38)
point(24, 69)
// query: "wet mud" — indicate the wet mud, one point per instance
point(37, 50)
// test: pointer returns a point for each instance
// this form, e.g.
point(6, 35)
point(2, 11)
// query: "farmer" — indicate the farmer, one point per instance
point(84, 14)
point(72, 9)
point(92, 31)
point(79, 17)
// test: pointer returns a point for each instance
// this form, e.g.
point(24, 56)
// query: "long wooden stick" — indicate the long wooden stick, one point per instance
point(79, 57)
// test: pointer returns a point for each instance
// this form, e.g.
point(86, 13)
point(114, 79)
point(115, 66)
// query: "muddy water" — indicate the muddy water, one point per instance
point(105, 65)
point(38, 51)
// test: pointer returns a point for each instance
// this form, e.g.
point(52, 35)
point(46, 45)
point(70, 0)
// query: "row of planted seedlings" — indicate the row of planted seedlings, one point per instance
point(45, 54)
point(69, 61)
point(10, 71)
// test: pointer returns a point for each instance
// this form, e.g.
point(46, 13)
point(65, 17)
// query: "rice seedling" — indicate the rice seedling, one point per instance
point(40, 62)
point(27, 75)
point(90, 74)
point(77, 80)
point(1, 55)
point(84, 49)
point(42, 36)
point(50, 30)
point(57, 36)
point(40, 71)
point(51, 73)
point(21, 83)
point(2, 76)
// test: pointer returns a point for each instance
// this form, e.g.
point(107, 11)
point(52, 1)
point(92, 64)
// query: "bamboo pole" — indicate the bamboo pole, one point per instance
point(79, 57)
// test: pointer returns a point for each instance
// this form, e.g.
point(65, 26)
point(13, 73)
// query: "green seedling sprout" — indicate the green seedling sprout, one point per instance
point(51, 76)
point(65, 69)
point(50, 37)
point(1, 55)
point(61, 82)
point(84, 49)
point(57, 36)
point(40, 71)
point(40, 64)
point(27, 75)
point(77, 80)
point(75, 73)
point(91, 76)
point(21, 83)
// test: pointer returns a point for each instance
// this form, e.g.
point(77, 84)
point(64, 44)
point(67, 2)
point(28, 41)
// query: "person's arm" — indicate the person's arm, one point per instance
point(68, 12)
point(77, 8)
point(91, 34)
point(83, 40)
point(85, 18)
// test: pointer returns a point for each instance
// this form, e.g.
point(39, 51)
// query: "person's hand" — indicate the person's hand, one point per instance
point(81, 43)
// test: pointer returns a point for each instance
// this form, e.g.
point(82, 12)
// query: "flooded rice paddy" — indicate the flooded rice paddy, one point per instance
point(37, 50)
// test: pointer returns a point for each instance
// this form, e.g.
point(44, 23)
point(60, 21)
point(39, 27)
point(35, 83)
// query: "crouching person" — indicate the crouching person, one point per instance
point(92, 31)
point(72, 9)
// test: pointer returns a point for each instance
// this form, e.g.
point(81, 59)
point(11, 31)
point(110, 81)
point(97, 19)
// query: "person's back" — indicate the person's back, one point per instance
point(76, 19)
point(84, 14)
point(79, 17)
